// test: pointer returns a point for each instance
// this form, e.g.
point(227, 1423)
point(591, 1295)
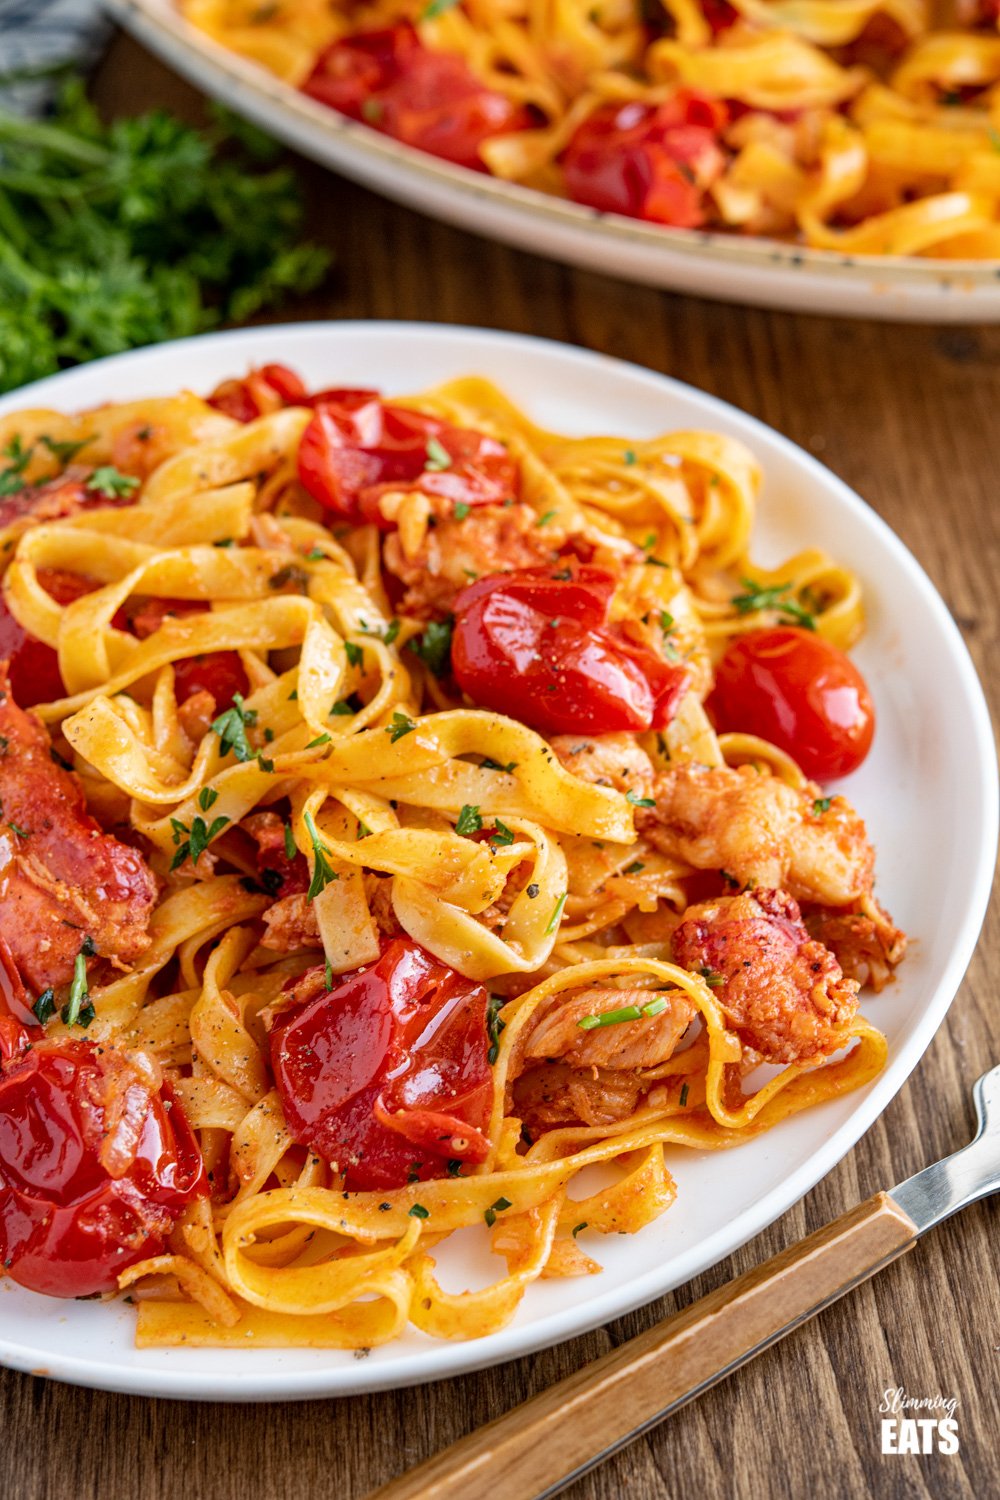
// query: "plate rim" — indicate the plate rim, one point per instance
point(460, 1358)
point(157, 22)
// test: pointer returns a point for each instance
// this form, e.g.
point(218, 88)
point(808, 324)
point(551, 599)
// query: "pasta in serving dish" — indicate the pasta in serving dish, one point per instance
point(373, 863)
point(866, 127)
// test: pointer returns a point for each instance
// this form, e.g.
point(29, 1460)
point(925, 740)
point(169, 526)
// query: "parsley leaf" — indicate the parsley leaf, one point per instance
point(434, 645)
point(469, 820)
point(112, 483)
point(401, 724)
point(323, 871)
point(134, 232)
point(232, 726)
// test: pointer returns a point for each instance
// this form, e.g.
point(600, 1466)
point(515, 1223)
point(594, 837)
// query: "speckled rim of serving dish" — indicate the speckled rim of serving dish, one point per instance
point(710, 263)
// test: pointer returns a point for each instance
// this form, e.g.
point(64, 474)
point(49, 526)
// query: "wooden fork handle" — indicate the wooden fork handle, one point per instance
point(540, 1446)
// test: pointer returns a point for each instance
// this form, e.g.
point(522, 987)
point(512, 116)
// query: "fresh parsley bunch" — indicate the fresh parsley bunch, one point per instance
point(112, 236)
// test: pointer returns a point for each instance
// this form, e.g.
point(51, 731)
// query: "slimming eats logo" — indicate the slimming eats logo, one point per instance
point(931, 1428)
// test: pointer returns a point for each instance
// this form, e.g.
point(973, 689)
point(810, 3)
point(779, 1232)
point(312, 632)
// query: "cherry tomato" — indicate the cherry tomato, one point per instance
point(264, 390)
point(539, 648)
point(96, 1165)
point(387, 1074)
point(793, 688)
point(430, 100)
point(648, 162)
point(357, 447)
point(220, 673)
point(34, 666)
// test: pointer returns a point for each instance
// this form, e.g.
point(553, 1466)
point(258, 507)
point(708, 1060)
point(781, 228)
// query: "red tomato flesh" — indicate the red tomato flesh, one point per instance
point(648, 162)
point(357, 447)
point(386, 1074)
point(264, 390)
point(34, 666)
point(95, 1167)
point(539, 648)
point(220, 673)
point(430, 100)
point(793, 688)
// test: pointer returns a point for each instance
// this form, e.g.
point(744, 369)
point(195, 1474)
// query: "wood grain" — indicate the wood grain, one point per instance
point(568, 1426)
point(908, 416)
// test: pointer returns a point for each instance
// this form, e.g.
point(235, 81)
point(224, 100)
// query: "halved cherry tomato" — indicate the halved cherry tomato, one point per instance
point(96, 1165)
point(431, 100)
point(264, 390)
point(387, 1073)
point(538, 646)
point(34, 666)
point(793, 688)
point(357, 447)
point(648, 161)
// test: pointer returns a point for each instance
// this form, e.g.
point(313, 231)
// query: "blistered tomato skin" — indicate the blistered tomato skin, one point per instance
point(538, 647)
point(793, 688)
point(386, 1074)
point(95, 1166)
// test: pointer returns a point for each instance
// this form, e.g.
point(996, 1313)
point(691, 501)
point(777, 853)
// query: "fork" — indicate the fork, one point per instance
point(548, 1442)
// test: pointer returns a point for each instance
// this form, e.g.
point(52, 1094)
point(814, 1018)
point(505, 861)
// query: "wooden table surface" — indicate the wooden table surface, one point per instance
point(908, 417)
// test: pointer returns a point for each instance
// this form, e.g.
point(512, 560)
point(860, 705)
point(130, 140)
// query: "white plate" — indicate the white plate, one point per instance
point(768, 273)
point(928, 791)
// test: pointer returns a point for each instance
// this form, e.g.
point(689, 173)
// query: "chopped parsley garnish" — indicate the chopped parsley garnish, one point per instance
point(12, 478)
point(232, 726)
point(546, 518)
point(579, 1228)
point(391, 632)
point(206, 797)
point(469, 820)
point(328, 975)
point(454, 1165)
point(822, 805)
point(501, 833)
point(712, 979)
point(486, 764)
point(435, 8)
point(418, 1211)
point(22, 833)
point(45, 1006)
point(462, 508)
point(666, 621)
point(684, 1095)
point(438, 457)
point(342, 709)
point(490, 1214)
point(291, 849)
point(321, 739)
point(323, 871)
point(557, 912)
point(757, 598)
point(634, 867)
point(401, 724)
point(64, 452)
point(195, 840)
point(434, 646)
point(494, 1026)
point(630, 456)
point(315, 554)
point(638, 801)
point(355, 653)
point(112, 483)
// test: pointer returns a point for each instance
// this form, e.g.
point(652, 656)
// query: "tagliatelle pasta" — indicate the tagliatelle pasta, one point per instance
point(386, 841)
point(867, 127)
